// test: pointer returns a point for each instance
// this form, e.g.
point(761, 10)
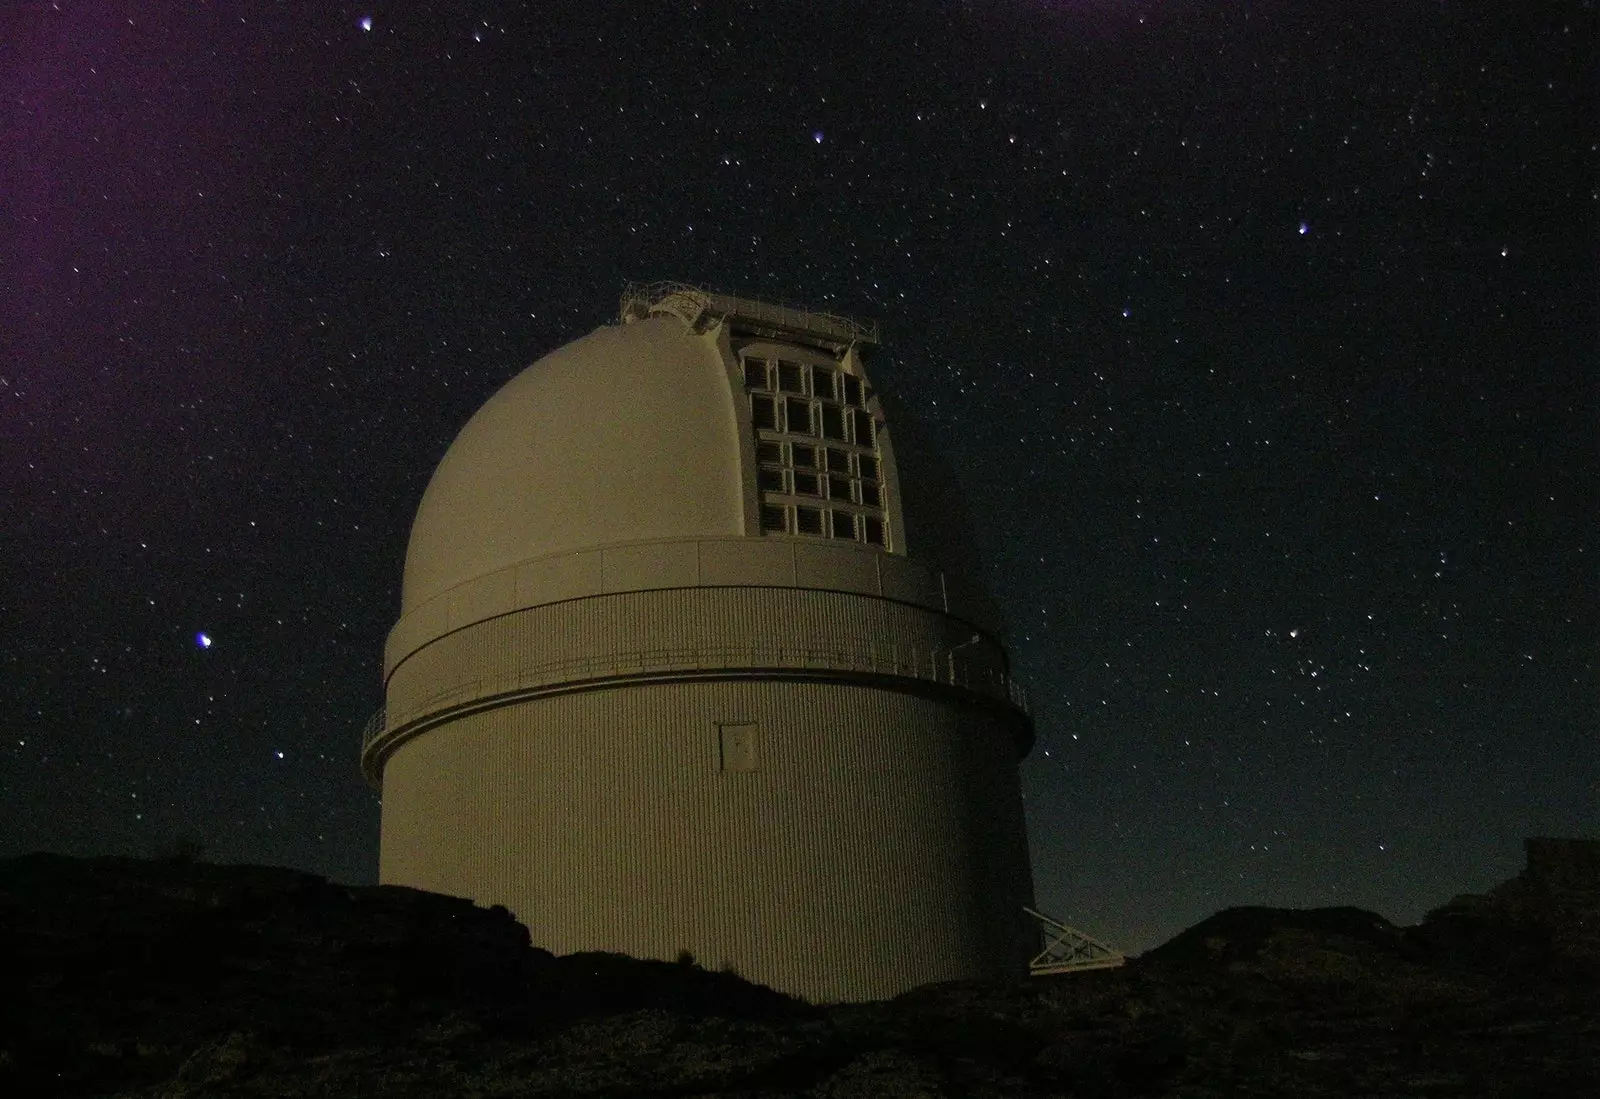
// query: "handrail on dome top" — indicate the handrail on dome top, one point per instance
point(640, 299)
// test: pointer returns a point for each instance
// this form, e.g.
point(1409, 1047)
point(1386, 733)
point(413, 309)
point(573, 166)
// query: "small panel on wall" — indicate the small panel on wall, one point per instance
point(736, 746)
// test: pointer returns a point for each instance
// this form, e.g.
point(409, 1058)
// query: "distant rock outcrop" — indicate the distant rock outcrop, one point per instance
point(179, 979)
point(1542, 925)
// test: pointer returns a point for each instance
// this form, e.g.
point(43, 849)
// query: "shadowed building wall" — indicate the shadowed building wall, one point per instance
point(666, 680)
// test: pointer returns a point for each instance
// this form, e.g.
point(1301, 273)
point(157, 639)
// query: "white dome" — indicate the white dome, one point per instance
point(666, 680)
point(628, 434)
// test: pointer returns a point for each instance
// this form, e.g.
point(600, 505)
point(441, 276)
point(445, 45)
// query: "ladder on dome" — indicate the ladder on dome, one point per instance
point(1068, 950)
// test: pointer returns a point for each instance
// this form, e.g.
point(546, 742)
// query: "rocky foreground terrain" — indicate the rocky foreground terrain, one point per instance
point(132, 978)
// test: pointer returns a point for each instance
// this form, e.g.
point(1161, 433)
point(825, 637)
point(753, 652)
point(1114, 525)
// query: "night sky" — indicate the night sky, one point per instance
point(1259, 341)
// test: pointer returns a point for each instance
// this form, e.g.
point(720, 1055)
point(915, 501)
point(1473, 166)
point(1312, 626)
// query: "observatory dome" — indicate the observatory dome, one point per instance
point(666, 677)
point(628, 434)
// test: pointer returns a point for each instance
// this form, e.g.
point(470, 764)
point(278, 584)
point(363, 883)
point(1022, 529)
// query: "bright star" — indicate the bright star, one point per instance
point(1304, 228)
point(203, 639)
point(366, 22)
point(816, 135)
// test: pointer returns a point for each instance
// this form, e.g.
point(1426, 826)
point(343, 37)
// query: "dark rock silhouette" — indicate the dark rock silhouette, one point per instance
point(178, 978)
point(1542, 925)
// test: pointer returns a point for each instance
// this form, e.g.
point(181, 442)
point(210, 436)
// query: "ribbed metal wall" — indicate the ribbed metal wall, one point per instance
point(767, 561)
point(877, 844)
point(684, 628)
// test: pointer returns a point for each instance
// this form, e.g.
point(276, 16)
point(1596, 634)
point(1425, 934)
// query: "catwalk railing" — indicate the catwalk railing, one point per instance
point(944, 666)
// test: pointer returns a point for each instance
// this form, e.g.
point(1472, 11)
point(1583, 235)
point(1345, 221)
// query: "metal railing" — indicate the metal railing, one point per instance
point(941, 665)
point(638, 299)
point(1067, 950)
point(375, 727)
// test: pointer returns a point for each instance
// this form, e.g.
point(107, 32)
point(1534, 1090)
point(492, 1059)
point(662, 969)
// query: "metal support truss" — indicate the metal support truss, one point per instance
point(1068, 950)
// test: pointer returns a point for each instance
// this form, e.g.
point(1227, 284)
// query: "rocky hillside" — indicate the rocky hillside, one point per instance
point(133, 978)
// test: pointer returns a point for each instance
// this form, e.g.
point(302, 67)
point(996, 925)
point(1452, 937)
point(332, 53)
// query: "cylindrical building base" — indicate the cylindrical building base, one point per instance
point(834, 840)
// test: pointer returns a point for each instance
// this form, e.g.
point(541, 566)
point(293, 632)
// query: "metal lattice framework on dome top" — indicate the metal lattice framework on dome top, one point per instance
point(693, 303)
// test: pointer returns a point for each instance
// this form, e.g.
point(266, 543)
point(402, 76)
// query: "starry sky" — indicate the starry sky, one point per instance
point(1256, 340)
